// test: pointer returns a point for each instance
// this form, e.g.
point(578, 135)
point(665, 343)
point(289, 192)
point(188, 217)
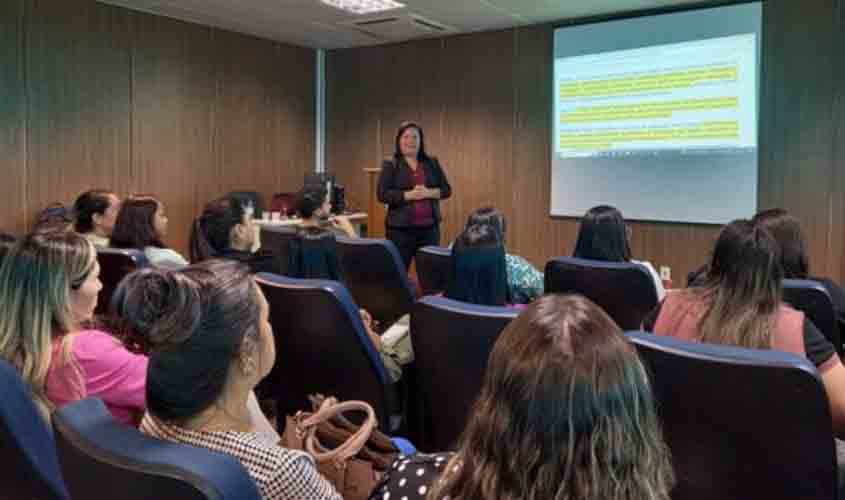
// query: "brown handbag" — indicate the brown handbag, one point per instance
point(379, 448)
point(345, 466)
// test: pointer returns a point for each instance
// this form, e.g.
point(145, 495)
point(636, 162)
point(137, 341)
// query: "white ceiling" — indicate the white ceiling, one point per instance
point(310, 23)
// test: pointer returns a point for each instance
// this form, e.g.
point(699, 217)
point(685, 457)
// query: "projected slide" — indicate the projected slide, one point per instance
point(695, 97)
point(657, 115)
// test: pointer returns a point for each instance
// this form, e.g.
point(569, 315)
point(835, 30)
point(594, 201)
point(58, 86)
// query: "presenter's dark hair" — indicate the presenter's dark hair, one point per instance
point(196, 321)
point(603, 235)
point(134, 227)
point(786, 230)
point(309, 199)
point(489, 216)
point(211, 233)
point(397, 152)
point(95, 201)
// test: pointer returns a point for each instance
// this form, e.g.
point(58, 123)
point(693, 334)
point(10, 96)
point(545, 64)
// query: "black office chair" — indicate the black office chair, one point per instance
point(452, 341)
point(433, 268)
point(321, 347)
point(624, 290)
point(277, 240)
point(115, 264)
point(813, 299)
point(103, 458)
point(376, 277)
point(27, 450)
point(741, 423)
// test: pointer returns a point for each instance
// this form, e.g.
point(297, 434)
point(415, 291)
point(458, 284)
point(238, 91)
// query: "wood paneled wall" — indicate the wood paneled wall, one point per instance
point(95, 95)
point(485, 103)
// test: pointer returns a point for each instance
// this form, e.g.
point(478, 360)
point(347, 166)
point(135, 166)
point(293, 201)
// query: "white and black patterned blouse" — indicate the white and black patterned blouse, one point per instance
point(280, 473)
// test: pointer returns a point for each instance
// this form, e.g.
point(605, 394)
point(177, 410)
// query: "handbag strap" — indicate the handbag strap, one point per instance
point(328, 409)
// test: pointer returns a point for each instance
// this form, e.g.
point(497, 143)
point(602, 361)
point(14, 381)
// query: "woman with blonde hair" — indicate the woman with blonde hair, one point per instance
point(565, 411)
point(48, 292)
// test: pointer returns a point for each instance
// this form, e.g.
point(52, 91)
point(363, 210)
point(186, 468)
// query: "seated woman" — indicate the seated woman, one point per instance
point(740, 304)
point(142, 225)
point(786, 231)
point(603, 235)
point(565, 411)
point(226, 231)
point(211, 343)
point(524, 280)
point(95, 213)
point(478, 268)
point(313, 253)
point(48, 291)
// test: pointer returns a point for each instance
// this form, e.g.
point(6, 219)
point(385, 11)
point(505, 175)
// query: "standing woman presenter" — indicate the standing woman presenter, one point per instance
point(411, 184)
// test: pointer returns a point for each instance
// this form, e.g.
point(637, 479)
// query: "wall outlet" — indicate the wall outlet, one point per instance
point(665, 273)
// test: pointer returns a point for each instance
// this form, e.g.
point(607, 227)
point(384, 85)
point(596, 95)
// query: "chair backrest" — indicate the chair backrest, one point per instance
point(253, 197)
point(321, 346)
point(813, 299)
point(625, 290)
point(452, 341)
point(115, 264)
point(741, 423)
point(433, 268)
point(27, 450)
point(277, 240)
point(102, 458)
point(285, 203)
point(376, 277)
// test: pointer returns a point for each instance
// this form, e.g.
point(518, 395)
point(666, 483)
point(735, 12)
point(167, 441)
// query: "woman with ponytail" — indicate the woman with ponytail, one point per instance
point(226, 231)
point(210, 343)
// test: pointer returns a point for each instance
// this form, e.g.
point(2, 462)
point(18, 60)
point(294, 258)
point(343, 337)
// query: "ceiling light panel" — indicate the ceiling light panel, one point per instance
point(363, 6)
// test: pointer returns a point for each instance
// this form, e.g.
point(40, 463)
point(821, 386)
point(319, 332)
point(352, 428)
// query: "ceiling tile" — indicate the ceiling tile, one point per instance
point(313, 24)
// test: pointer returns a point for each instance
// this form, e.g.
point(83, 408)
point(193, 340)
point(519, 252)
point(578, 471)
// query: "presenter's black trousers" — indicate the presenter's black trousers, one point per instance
point(409, 239)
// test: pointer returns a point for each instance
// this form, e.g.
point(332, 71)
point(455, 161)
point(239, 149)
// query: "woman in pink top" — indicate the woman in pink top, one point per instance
point(48, 289)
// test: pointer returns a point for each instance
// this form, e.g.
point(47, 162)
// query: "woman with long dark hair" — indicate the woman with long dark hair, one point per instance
point(478, 268)
point(411, 184)
point(786, 230)
point(525, 282)
point(740, 303)
point(565, 411)
point(142, 225)
point(604, 235)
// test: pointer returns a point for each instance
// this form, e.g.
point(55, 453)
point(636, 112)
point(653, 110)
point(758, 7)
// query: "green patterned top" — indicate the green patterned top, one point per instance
point(524, 280)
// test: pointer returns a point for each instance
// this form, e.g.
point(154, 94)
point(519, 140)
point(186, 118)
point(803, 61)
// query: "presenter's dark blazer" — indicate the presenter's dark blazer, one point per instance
point(394, 180)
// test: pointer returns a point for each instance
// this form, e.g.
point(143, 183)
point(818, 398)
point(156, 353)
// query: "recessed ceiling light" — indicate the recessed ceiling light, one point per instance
point(363, 6)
